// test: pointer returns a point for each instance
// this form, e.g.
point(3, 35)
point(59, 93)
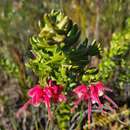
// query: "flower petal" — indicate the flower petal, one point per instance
point(94, 95)
point(80, 90)
point(36, 89)
point(36, 100)
point(62, 98)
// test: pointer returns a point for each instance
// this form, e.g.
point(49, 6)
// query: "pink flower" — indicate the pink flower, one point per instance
point(56, 90)
point(101, 89)
point(52, 92)
point(91, 95)
point(36, 98)
point(36, 94)
point(94, 96)
point(82, 93)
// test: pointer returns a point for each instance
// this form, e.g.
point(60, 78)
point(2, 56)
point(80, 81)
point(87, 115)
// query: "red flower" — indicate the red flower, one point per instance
point(56, 90)
point(36, 98)
point(82, 93)
point(91, 95)
point(101, 89)
point(44, 95)
point(36, 94)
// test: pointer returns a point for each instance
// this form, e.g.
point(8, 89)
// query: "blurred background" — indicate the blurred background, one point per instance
point(107, 21)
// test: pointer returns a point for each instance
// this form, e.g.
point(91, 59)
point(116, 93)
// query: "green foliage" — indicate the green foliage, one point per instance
point(9, 66)
point(63, 116)
point(16, 25)
point(115, 63)
point(58, 52)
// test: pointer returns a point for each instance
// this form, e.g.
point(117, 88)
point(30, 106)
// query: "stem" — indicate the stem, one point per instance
point(89, 113)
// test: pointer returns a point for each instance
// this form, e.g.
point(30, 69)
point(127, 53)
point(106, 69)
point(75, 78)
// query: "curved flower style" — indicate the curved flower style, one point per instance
point(91, 95)
point(36, 94)
point(44, 95)
point(82, 93)
point(101, 92)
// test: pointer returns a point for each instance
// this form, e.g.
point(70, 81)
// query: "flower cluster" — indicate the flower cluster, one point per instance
point(51, 92)
point(91, 94)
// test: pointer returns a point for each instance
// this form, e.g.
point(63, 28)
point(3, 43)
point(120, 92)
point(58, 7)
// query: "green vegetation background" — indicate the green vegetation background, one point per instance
point(106, 21)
